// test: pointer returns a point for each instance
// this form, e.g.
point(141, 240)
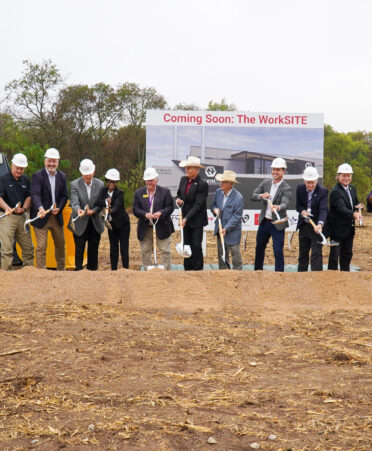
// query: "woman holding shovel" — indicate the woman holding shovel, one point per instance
point(228, 206)
point(118, 220)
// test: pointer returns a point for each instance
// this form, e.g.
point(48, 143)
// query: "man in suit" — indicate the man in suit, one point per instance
point(118, 219)
point(228, 204)
point(280, 194)
point(311, 202)
point(49, 187)
point(192, 196)
point(150, 204)
point(86, 201)
point(343, 212)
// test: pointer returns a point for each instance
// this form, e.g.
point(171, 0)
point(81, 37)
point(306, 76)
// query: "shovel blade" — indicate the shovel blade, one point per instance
point(149, 268)
point(183, 250)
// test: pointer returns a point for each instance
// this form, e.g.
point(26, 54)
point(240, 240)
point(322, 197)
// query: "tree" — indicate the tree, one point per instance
point(220, 106)
point(33, 96)
point(135, 101)
point(341, 148)
point(186, 106)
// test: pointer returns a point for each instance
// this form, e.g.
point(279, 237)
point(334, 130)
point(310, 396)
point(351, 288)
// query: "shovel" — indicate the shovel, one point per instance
point(360, 220)
point(10, 211)
point(29, 221)
point(324, 239)
point(279, 220)
point(223, 256)
point(72, 221)
point(149, 268)
point(107, 222)
point(183, 249)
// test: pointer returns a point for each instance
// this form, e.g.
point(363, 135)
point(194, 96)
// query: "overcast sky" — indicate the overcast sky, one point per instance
point(265, 55)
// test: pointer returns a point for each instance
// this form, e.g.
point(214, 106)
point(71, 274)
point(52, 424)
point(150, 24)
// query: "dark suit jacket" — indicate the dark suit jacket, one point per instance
point(120, 218)
point(41, 195)
point(369, 206)
point(318, 205)
point(194, 208)
point(340, 220)
point(162, 202)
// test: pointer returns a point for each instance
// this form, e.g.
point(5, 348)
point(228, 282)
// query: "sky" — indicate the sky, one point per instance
point(263, 56)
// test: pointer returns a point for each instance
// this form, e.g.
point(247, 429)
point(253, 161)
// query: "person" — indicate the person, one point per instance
point(343, 206)
point(14, 189)
point(86, 201)
point(192, 196)
point(154, 204)
point(311, 203)
point(118, 219)
point(49, 187)
point(279, 193)
point(369, 203)
point(228, 204)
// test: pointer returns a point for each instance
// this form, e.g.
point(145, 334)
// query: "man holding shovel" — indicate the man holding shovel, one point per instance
point(153, 204)
point(86, 202)
point(15, 200)
point(228, 206)
point(275, 195)
point(312, 206)
point(192, 197)
point(49, 187)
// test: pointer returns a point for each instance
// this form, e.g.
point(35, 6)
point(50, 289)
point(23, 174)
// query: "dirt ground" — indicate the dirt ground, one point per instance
point(158, 360)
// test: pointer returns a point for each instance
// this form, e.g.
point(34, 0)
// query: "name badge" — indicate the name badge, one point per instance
point(145, 195)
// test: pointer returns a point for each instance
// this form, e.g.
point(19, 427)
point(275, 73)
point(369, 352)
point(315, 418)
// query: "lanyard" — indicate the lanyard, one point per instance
point(151, 200)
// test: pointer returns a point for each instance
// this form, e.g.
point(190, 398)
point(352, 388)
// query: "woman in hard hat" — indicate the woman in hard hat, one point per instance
point(311, 203)
point(118, 219)
point(343, 211)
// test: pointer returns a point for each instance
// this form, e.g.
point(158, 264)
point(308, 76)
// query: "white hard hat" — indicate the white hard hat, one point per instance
point(112, 174)
point(52, 153)
point(279, 163)
point(150, 174)
point(86, 167)
point(345, 168)
point(20, 160)
point(310, 173)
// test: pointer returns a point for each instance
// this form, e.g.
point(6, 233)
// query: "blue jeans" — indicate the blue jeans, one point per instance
point(264, 232)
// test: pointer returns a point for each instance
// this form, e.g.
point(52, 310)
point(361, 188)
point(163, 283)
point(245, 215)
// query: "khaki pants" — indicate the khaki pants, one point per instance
point(234, 250)
point(164, 246)
point(42, 240)
point(11, 227)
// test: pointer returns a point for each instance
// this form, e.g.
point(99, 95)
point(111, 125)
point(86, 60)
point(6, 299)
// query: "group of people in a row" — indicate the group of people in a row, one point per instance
point(94, 205)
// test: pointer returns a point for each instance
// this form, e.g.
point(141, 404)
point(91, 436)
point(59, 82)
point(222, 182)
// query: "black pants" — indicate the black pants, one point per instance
point(343, 253)
point(309, 240)
point(194, 238)
point(116, 237)
point(93, 238)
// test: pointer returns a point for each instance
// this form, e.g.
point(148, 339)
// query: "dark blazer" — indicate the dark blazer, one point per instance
point(369, 206)
point(318, 204)
point(120, 218)
point(340, 222)
point(194, 208)
point(162, 202)
point(41, 195)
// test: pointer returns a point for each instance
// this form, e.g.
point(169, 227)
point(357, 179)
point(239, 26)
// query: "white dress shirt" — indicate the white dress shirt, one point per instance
point(273, 191)
point(52, 181)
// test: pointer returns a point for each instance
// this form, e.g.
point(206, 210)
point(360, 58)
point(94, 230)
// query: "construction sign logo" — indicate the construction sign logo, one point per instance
point(210, 171)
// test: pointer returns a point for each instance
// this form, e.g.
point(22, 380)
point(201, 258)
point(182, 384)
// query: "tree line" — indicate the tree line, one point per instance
point(106, 123)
